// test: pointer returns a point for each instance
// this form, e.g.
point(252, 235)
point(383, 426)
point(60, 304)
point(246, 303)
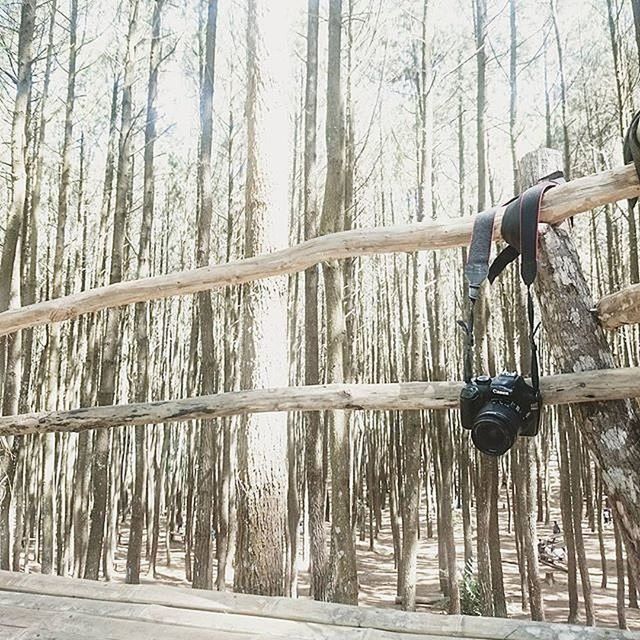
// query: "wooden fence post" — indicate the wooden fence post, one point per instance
point(578, 343)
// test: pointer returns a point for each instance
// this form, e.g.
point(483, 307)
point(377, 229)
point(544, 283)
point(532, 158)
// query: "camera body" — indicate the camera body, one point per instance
point(497, 410)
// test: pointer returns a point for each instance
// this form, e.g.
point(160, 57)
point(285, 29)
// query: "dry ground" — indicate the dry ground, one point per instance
point(377, 575)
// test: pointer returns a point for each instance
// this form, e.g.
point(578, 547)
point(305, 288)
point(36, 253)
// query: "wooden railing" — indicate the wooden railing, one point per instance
point(566, 200)
point(563, 201)
point(588, 386)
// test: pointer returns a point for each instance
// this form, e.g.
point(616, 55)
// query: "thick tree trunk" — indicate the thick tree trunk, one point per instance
point(611, 430)
point(262, 439)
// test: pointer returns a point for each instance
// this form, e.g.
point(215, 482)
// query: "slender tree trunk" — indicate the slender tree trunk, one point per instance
point(134, 548)
point(577, 500)
point(49, 480)
point(566, 148)
point(631, 215)
point(18, 158)
point(412, 421)
point(635, 6)
point(106, 390)
point(9, 264)
point(497, 580)
point(314, 433)
point(343, 583)
point(622, 616)
point(203, 554)
point(483, 516)
point(480, 12)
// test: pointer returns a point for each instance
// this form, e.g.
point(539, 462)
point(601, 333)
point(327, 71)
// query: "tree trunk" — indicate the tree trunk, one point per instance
point(49, 480)
point(314, 445)
point(620, 605)
point(112, 341)
point(18, 157)
point(480, 22)
point(563, 92)
point(134, 548)
point(203, 555)
point(565, 304)
point(262, 439)
point(343, 582)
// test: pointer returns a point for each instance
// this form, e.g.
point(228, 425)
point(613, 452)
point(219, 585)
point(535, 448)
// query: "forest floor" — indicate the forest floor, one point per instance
point(377, 574)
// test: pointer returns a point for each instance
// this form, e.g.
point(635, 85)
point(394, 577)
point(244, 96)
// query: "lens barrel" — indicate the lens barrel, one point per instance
point(495, 428)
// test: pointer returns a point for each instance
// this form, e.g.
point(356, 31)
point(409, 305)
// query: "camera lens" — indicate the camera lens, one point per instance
point(495, 428)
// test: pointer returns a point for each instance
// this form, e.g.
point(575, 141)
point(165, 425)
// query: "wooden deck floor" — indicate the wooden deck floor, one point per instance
point(53, 608)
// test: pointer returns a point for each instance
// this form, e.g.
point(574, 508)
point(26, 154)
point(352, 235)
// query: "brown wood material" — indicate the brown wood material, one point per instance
point(560, 203)
point(619, 308)
point(68, 608)
point(586, 386)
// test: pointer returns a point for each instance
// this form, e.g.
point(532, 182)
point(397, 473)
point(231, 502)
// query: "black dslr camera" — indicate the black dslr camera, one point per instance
point(498, 410)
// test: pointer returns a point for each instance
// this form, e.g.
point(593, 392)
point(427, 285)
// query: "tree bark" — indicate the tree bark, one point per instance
point(51, 402)
point(611, 430)
point(136, 527)
point(106, 390)
point(202, 548)
point(18, 156)
point(343, 581)
point(316, 486)
point(262, 440)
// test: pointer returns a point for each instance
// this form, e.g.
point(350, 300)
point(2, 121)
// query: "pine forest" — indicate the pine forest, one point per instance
point(234, 318)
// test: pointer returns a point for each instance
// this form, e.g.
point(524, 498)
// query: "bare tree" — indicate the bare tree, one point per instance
point(202, 552)
point(262, 439)
point(111, 345)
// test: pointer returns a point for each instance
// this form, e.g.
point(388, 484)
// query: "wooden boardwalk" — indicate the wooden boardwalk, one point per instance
point(52, 608)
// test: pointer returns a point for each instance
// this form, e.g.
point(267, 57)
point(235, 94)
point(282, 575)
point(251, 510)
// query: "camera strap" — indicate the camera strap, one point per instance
point(476, 272)
point(519, 229)
point(631, 149)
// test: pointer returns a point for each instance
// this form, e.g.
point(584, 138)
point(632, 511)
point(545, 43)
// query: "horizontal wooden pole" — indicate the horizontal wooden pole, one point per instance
point(577, 196)
point(621, 307)
point(565, 388)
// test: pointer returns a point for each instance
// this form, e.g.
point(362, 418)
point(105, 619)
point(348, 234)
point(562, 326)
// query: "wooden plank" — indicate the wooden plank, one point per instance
point(564, 201)
point(227, 622)
point(11, 633)
point(591, 386)
point(62, 625)
point(302, 610)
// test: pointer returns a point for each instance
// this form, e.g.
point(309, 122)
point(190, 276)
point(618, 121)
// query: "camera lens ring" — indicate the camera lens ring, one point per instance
point(496, 427)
